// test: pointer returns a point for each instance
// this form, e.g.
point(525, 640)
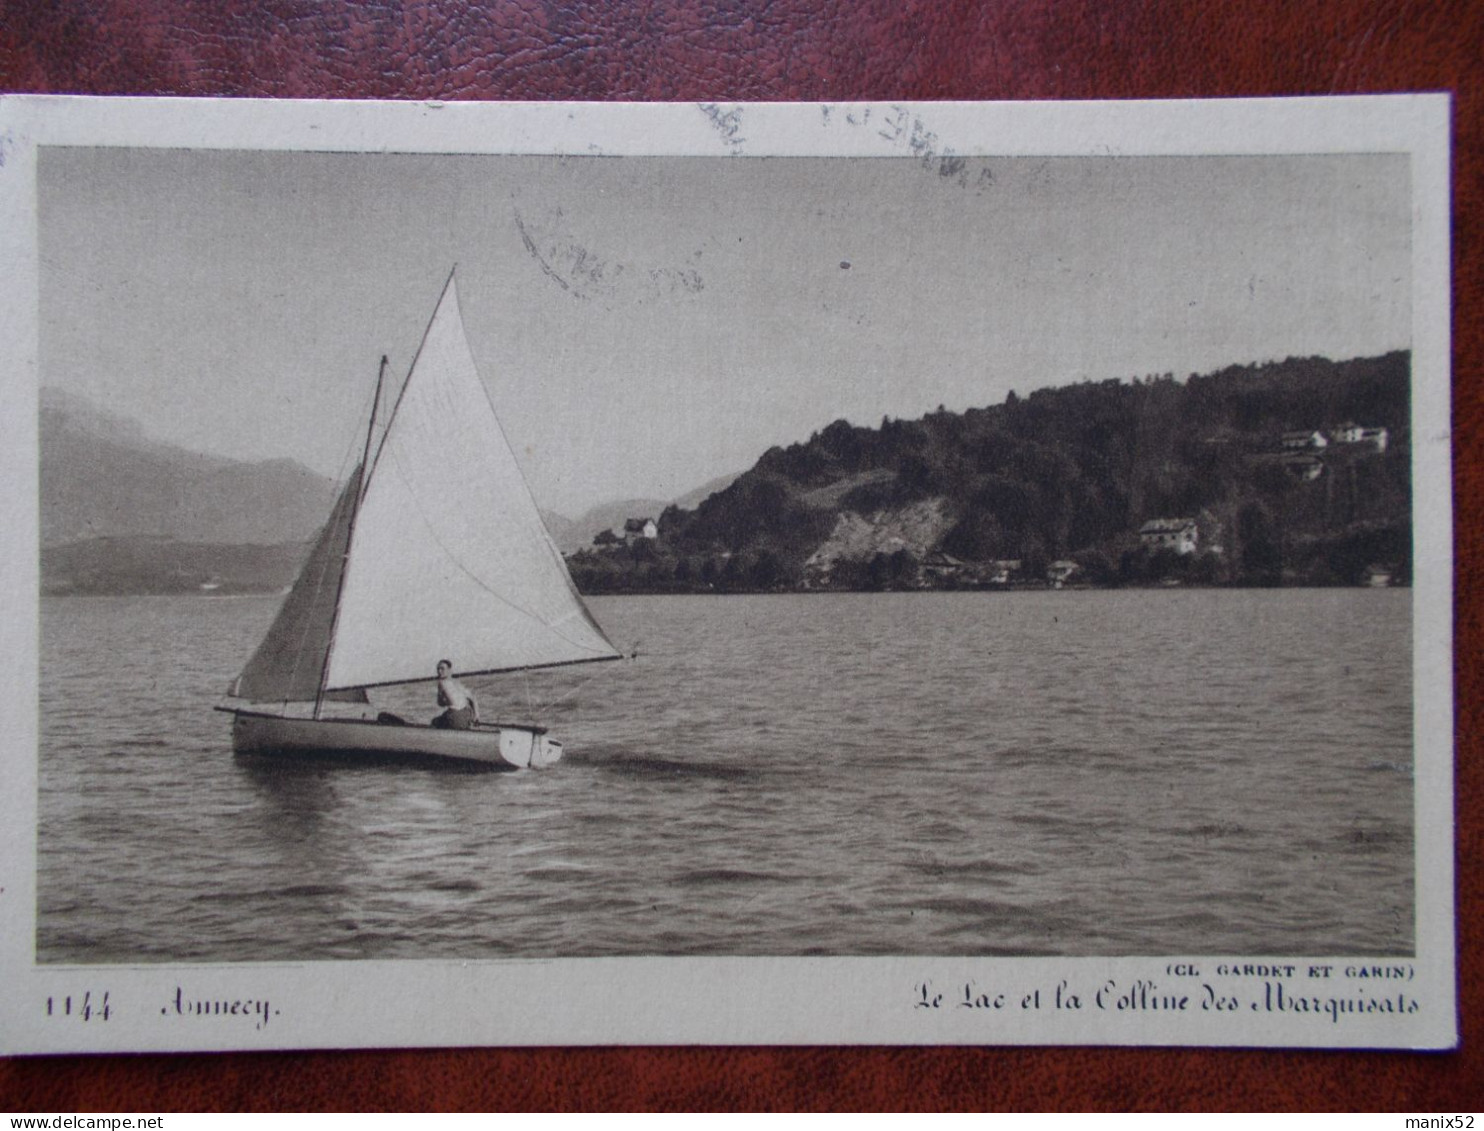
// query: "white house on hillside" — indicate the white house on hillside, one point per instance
point(1352, 433)
point(1178, 534)
point(942, 565)
point(1304, 439)
point(1059, 573)
point(1000, 572)
point(640, 528)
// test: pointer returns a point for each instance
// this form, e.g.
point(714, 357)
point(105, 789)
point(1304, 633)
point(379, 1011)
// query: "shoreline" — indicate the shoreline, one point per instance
point(789, 592)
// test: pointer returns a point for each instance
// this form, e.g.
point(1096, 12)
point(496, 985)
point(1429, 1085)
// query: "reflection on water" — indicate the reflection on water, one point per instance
point(1057, 773)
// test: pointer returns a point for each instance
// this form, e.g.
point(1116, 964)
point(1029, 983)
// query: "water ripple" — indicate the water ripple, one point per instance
point(1068, 773)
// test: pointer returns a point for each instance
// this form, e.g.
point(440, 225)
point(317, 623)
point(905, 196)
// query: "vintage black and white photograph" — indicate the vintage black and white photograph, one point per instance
point(899, 549)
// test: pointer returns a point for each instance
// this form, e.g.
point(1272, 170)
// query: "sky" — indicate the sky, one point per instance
point(646, 324)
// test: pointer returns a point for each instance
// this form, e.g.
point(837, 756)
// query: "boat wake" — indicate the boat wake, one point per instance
point(650, 766)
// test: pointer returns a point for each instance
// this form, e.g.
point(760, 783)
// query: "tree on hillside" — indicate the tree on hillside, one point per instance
point(1072, 473)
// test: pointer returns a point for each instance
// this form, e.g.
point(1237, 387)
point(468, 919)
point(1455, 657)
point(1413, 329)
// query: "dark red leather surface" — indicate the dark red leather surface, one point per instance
point(812, 49)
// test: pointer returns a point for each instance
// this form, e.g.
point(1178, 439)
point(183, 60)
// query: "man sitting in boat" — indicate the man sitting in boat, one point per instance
point(463, 711)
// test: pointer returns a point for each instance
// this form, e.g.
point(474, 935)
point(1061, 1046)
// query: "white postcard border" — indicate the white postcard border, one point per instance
point(1398, 1003)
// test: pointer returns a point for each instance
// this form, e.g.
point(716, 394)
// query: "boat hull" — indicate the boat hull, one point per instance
point(502, 747)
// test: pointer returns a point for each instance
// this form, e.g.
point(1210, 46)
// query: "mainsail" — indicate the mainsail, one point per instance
point(445, 556)
point(290, 662)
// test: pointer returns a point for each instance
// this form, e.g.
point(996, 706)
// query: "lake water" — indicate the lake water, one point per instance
point(1077, 773)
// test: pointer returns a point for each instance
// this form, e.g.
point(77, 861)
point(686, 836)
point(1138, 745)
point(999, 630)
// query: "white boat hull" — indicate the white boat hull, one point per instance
point(503, 746)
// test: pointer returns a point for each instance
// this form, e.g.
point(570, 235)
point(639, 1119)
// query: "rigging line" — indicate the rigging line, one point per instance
point(546, 708)
point(551, 705)
point(474, 577)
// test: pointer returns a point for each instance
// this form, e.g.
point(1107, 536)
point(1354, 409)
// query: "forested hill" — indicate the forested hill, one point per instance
point(1067, 475)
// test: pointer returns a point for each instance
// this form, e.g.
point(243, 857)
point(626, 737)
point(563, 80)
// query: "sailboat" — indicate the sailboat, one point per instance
point(434, 549)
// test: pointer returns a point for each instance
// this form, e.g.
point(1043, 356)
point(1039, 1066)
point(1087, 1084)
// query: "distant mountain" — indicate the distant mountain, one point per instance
point(692, 499)
point(559, 527)
point(572, 535)
point(103, 477)
point(124, 513)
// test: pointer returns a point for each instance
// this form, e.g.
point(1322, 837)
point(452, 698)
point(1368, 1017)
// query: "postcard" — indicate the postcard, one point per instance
point(528, 574)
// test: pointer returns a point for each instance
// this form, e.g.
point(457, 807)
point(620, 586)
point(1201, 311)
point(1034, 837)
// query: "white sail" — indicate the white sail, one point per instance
point(448, 555)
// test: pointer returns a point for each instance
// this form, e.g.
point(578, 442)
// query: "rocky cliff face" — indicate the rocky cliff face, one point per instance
point(917, 528)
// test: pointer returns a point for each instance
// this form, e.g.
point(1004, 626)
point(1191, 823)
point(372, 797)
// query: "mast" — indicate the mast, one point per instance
point(324, 671)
